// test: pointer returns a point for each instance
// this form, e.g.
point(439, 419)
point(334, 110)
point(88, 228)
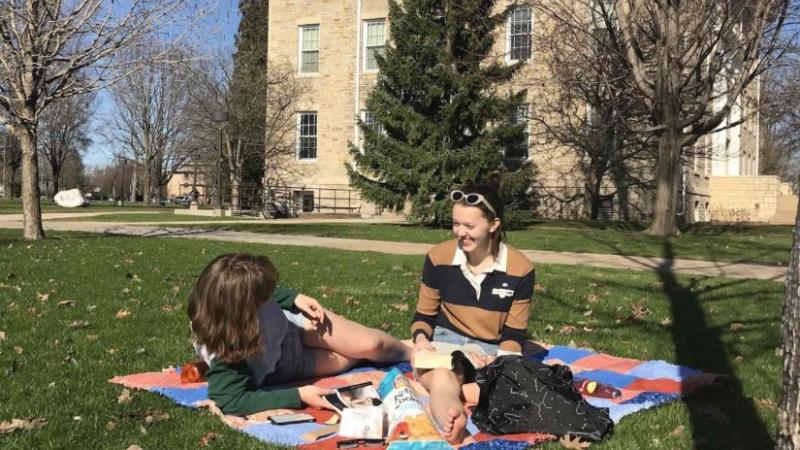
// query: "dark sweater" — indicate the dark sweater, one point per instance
point(233, 389)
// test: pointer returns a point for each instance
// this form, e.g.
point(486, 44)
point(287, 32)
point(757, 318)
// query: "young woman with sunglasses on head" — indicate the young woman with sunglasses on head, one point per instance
point(475, 289)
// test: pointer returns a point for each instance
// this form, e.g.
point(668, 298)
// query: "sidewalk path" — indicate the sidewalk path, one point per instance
point(637, 263)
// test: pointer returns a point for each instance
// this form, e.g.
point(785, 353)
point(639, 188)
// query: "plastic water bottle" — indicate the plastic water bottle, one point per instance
point(595, 389)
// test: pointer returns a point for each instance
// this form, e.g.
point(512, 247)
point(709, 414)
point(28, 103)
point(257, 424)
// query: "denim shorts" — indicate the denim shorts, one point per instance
point(296, 361)
point(441, 334)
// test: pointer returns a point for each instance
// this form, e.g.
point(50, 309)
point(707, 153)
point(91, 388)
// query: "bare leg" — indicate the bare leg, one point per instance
point(327, 362)
point(355, 341)
point(471, 392)
point(446, 406)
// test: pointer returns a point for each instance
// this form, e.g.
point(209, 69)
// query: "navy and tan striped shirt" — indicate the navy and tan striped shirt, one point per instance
point(495, 311)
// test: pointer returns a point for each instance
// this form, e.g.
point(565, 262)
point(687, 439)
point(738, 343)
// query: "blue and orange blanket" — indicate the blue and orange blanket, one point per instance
point(644, 384)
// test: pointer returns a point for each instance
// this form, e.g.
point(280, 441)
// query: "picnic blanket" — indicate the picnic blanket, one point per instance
point(644, 384)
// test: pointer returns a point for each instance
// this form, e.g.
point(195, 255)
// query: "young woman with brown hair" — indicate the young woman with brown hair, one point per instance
point(475, 289)
point(253, 334)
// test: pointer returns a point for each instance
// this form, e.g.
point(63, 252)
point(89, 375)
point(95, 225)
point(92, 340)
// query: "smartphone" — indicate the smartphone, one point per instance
point(286, 419)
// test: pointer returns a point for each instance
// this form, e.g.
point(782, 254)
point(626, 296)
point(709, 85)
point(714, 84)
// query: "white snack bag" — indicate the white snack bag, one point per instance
point(362, 422)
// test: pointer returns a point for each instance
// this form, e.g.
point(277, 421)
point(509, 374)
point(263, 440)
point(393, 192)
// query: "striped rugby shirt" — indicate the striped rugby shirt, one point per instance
point(495, 311)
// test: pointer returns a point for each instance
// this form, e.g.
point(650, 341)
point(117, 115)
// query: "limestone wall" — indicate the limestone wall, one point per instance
point(744, 198)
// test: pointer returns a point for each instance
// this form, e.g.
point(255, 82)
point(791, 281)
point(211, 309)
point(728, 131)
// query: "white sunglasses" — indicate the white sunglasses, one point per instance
point(471, 199)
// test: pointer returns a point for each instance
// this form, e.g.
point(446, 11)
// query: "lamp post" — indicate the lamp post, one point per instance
point(220, 117)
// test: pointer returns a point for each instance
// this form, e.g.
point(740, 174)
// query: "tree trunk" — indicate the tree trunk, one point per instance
point(134, 180)
point(667, 173)
point(147, 178)
point(8, 181)
point(56, 176)
point(789, 407)
point(31, 209)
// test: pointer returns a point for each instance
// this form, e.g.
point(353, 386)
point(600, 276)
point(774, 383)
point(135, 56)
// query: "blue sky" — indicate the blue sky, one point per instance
point(213, 33)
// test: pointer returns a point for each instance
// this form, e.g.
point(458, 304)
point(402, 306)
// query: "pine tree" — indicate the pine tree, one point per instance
point(440, 119)
point(248, 90)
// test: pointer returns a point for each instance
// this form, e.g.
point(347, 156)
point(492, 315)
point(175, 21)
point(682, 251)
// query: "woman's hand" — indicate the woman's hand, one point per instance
point(310, 308)
point(422, 343)
point(314, 396)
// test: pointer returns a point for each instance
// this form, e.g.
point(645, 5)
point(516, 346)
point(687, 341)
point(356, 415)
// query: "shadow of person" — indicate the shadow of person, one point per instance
point(720, 416)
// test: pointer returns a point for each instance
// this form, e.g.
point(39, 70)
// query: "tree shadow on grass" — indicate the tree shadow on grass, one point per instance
point(722, 416)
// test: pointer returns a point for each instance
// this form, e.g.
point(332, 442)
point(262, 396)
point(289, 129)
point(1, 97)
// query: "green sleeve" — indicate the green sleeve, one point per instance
point(230, 386)
point(284, 297)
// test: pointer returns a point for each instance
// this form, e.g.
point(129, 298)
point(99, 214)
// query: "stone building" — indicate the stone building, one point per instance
point(332, 46)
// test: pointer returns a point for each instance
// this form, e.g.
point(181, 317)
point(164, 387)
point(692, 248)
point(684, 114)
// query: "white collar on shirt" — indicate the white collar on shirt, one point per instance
point(500, 262)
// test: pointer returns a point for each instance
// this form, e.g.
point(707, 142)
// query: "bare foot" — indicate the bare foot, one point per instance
point(453, 423)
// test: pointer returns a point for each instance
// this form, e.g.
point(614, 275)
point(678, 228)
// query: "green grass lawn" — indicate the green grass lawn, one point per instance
point(758, 244)
point(166, 217)
point(59, 301)
point(15, 207)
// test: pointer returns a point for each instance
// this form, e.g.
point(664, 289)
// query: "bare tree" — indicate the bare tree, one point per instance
point(244, 138)
point(693, 62)
point(12, 159)
point(149, 122)
point(789, 406)
point(64, 134)
point(780, 121)
point(586, 107)
point(56, 49)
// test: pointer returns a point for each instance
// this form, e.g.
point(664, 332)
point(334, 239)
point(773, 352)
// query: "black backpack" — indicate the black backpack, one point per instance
point(521, 396)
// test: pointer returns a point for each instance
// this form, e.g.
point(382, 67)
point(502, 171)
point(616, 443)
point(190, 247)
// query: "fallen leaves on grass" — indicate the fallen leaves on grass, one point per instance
point(122, 313)
point(567, 329)
point(13, 425)
point(666, 321)
point(78, 324)
point(569, 441)
point(765, 403)
point(539, 289)
point(2, 336)
point(736, 327)
point(155, 416)
point(385, 326)
point(18, 350)
point(110, 425)
point(350, 301)
point(42, 297)
point(592, 298)
point(678, 430)
point(208, 438)
point(66, 303)
point(639, 311)
point(124, 397)
point(134, 277)
point(548, 328)
point(400, 306)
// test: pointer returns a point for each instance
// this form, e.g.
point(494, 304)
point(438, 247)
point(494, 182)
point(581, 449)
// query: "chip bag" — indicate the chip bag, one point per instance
point(410, 427)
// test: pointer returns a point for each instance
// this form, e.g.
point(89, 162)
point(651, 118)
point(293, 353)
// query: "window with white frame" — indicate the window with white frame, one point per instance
point(307, 135)
point(368, 117)
point(519, 35)
point(519, 150)
point(374, 42)
point(309, 49)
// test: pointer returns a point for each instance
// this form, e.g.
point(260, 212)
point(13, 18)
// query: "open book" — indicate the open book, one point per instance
point(442, 356)
point(362, 394)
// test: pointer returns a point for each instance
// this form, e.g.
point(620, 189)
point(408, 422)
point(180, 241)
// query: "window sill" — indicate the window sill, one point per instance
point(308, 75)
point(307, 160)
